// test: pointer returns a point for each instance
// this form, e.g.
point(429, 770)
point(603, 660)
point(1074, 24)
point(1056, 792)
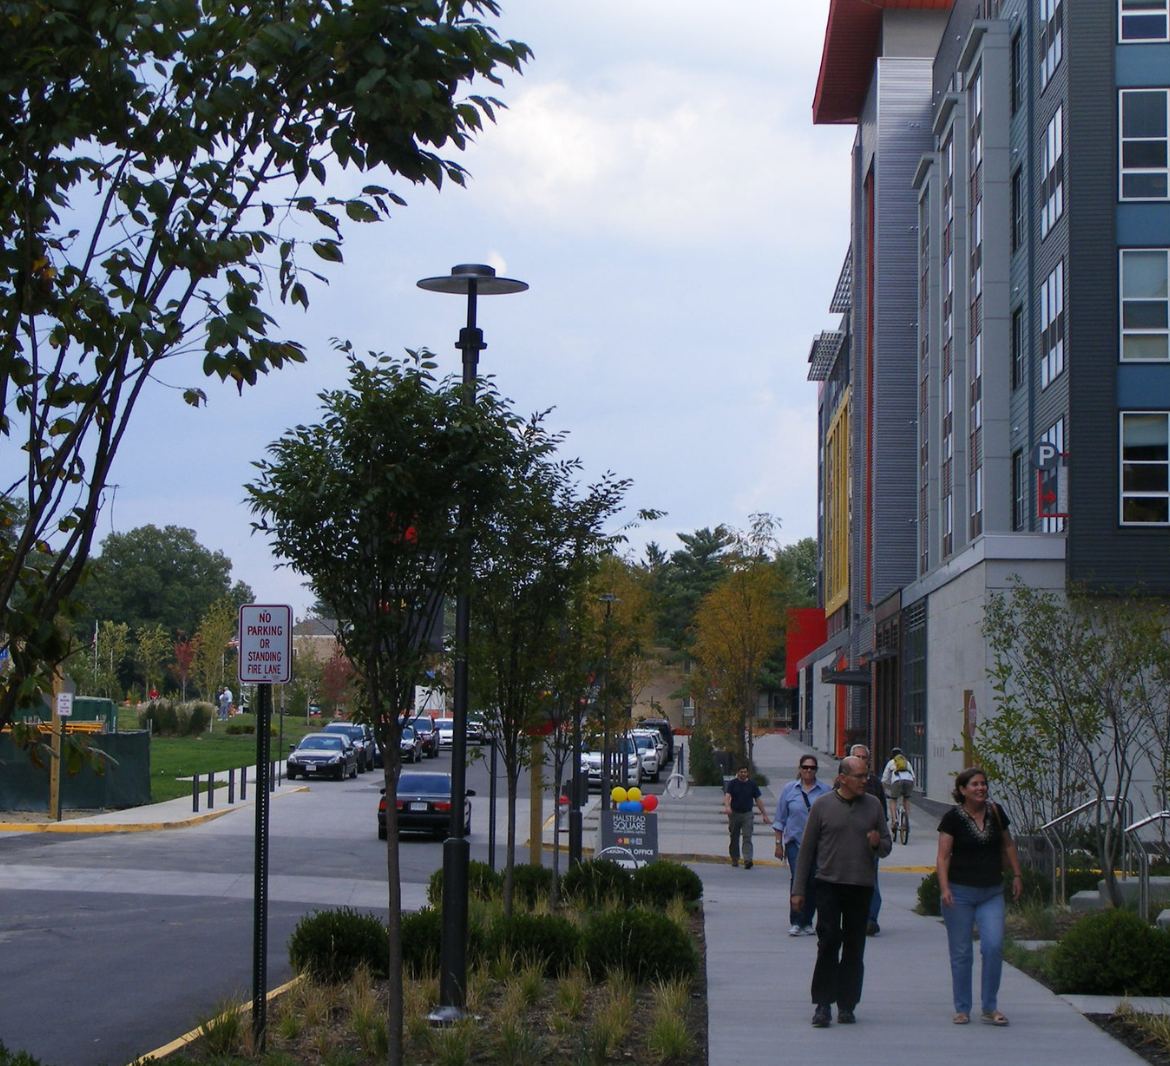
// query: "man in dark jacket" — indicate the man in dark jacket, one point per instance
point(846, 831)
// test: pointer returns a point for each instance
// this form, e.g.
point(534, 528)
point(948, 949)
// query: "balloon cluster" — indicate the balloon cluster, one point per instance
point(632, 801)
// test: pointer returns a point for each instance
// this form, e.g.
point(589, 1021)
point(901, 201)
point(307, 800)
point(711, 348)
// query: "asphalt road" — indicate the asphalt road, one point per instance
point(122, 942)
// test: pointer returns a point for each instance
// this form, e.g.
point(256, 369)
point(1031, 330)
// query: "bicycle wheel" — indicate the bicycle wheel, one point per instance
point(676, 786)
point(904, 828)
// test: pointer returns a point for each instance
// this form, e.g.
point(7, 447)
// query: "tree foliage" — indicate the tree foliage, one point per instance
point(215, 660)
point(164, 163)
point(151, 577)
point(1082, 686)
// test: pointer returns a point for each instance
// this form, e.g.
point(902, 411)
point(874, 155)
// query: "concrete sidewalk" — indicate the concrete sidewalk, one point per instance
point(758, 978)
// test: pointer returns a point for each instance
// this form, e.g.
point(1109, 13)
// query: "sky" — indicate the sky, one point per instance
point(658, 182)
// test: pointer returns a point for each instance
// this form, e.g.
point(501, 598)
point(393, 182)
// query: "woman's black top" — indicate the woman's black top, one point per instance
point(977, 856)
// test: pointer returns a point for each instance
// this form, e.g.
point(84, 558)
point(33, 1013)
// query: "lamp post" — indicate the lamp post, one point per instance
point(471, 280)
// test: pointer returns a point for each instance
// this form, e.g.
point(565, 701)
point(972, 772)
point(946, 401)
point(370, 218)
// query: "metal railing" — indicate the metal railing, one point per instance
point(1056, 842)
point(1144, 862)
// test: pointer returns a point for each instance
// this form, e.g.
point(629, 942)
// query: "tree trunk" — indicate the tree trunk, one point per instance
point(510, 860)
point(395, 1050)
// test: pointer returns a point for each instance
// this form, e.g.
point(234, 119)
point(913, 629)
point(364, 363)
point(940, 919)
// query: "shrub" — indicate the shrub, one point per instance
point(929, 895)
point(198, 719)
point(657, 883)
point(1037, 885)
point(241, 729)
point(421, 939)
point(482, 883)
point(704, 769)
point(595, 881)
point(642, 943)
point(330, 945)
point(531, 883)
point(1112, 953)
point(549, 940)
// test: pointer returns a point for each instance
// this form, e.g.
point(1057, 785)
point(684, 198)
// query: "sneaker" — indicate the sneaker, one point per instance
point(795, 930)
point(822, 1017)
point(872, 929)
point(747, 864)
point(845, 1016)
point(735, 862)
point(807, 930)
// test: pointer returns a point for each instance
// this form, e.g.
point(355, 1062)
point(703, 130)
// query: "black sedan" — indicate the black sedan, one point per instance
point(424, 804)
point(428, 736)
point(362, 737)
point(323, 754)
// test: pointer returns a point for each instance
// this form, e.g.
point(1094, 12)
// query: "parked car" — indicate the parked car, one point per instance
point(648, 753)
point(625, 749)
point(323, 754)
point(410, 745)
point(424, 803)
point(656, 737)
point(476, 728)
point(665, 729)
point(424, 726)
point(445, 727)
point(362, 738)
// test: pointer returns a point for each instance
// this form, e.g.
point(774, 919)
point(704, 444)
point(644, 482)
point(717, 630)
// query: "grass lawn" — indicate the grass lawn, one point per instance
point(173, 758)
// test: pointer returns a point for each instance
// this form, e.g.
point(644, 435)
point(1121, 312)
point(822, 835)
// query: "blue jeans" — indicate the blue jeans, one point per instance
point(983, 907)
point(875, 904)
point(809, 891)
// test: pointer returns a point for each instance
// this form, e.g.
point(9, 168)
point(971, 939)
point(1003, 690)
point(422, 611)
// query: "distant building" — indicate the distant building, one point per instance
point(995, 393)
point(316, 637)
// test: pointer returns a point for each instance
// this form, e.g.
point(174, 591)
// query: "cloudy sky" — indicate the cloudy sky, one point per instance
point(658, 182)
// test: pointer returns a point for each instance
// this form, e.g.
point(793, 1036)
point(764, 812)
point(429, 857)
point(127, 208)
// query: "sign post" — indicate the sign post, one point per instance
point(265, 660)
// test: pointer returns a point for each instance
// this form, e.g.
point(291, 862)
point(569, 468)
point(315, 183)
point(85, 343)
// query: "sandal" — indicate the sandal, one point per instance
point(993, 1017)
point(961, 1018)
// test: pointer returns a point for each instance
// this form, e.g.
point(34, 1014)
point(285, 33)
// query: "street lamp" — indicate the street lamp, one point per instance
point(471, 280)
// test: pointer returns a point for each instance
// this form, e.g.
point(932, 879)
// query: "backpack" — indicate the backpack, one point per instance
point(900, 763)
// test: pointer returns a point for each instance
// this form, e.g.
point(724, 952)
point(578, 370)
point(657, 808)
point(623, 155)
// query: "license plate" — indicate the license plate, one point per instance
point(418, 806)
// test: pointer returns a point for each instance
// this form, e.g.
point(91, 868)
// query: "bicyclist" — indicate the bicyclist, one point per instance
point(898, 780)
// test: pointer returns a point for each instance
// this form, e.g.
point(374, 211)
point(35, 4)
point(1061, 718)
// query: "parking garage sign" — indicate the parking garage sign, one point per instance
point(265, 644)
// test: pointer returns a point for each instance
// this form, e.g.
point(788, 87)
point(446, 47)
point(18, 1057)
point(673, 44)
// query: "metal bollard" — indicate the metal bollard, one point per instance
point(243, 784)
point(195, 794)
point(211, 791)
point(231, 786)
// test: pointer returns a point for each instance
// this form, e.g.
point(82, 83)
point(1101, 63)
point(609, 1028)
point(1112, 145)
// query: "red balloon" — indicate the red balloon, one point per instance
point(649, 803)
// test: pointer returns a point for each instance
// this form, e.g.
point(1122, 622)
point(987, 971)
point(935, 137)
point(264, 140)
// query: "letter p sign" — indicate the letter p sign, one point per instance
point(1045, 456)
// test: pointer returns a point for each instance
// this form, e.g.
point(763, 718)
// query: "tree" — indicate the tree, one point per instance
point(531, 561)
point(691, 572)
point(799, 563)
point(111, 650)
point(150, 653)
point(336, 677)
point(373, 505)
point(155, 155)
point(738, 627)
point(157, 577)
point(213, 653)
point(186, 652)
point(1082, 689)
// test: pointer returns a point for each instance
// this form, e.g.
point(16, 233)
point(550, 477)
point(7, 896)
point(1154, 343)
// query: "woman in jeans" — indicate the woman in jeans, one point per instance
point(974, 845)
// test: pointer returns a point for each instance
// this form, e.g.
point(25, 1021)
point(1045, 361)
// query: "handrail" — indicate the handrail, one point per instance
point(1144, 863)
point(1057, 843)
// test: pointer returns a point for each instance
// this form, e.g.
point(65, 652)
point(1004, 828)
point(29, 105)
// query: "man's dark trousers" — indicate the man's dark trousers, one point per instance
point(842, 913)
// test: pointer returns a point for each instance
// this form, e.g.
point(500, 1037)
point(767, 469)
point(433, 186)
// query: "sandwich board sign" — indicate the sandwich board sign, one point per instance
point(265, 644)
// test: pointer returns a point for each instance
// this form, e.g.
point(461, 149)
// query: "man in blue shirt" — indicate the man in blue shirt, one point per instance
point(738, 796)
point(796, 800)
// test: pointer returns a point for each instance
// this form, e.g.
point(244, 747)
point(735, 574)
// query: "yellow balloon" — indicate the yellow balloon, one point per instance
point(634, 794)
point(618, 794)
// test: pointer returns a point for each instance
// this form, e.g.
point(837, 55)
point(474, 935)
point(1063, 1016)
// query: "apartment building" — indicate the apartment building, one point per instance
point(994, 399)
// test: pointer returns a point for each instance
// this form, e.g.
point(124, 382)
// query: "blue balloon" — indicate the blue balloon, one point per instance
point(630, 806)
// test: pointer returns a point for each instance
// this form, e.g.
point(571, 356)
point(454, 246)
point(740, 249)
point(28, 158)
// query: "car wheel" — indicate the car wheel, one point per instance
point(353, 772)
point(340, 775)
point(291, 774)
point(381, 832)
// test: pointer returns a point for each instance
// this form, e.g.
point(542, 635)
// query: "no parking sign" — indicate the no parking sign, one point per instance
point(265, 644)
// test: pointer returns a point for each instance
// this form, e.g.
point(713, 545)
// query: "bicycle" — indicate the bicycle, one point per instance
point(901, 825)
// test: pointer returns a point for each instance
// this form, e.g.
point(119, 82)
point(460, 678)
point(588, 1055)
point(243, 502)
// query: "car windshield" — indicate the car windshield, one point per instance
point(444, 725)
point(643, 743)
point(348, 730)
point(407, 733)
point(424, 784)
point(422, 725)
point(320, 743)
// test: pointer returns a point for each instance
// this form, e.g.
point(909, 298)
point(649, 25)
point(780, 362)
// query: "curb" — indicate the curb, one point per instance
point(133, 827)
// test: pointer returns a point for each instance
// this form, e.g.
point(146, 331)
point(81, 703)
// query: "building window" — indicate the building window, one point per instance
point(1051, 38)
point(1144, 20)
point(1054, 435)
point(1145, 468)
point(1144, 173)
point(1018, 212)
point(1052, 326)
point(1019, 490)
point(1145, 305)
point(1019, 349)
point(1019, 68)
point(1052, 167)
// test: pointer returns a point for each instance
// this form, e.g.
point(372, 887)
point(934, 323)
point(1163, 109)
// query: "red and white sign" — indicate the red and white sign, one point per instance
point(265, 644)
